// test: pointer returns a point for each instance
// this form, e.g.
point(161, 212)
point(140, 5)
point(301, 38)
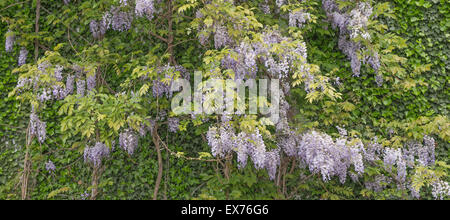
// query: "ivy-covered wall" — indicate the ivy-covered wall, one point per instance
point(365, 108)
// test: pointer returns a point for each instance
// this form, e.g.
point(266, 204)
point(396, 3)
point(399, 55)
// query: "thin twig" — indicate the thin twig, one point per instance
point(70, 42)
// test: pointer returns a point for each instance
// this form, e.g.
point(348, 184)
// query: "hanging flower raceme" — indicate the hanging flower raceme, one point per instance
point(91, 82)
point(329, 158)
point(173, 124)
point(98, 29)
point(223, 141)
point(298, 18)
point(128, 141)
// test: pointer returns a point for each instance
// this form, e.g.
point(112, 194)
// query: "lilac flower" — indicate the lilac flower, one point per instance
point(401, 170)
point(21, 83)
point(143, 131)
point(241, 150)
point(42, 132)
point(203, 38)
point(342, 131)
point(352, 25)
point(374, 61)
point(257, 149)
point(159, 89)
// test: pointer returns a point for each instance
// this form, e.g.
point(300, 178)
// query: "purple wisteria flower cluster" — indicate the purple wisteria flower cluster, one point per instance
point(173, 124)
point(353, 25)
point(341, 157)
point(94, 155)
point(81, 87)
point(9, 43)
point(298, 18)
point(114, 19)
point(50, 166)
point(120, 20)
point(223, 140)
point(38, 128)
point(145, 8)
point(244, 58)
point(264, 6)
point(97, 28)
point(54, 91)
point(440, 189)
point(328, 157)
point(22, 56)
point(128, 141)
point(162, 87)
point(91, 82)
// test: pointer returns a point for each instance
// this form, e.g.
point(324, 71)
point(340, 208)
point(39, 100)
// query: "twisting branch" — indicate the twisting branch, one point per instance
point(9, 6)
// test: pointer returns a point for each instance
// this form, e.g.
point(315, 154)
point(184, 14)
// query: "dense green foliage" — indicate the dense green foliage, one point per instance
point(412, 102)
